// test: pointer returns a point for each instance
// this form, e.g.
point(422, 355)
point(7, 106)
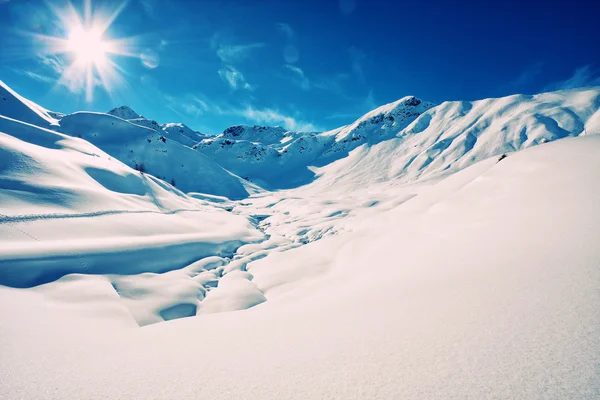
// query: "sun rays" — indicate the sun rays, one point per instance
point(86, 46)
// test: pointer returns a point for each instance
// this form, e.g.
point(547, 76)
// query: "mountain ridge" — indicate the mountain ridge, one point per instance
point(404, 140)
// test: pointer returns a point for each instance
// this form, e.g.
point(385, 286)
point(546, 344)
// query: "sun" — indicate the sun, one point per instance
point(88, 46)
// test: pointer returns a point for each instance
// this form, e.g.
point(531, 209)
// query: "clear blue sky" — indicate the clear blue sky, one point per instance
point(303, 64)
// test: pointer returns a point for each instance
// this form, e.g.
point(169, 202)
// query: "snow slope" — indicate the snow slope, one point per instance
point(484, 285)
point(68, 207)
point(11, 103)
point(454, 135)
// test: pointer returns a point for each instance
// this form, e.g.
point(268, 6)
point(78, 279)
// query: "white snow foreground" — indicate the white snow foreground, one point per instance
point(483, 284)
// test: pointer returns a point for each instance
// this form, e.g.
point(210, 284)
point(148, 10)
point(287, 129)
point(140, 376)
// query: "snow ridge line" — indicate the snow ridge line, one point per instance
point(6, 219)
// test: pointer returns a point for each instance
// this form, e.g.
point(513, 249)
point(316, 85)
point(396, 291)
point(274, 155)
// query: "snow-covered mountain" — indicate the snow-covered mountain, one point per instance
point(454, 135)
point(150, 151)
point(144, 149)
point(125, 112)
point(274, 158)
point(175, 131)
point(405, 140)
point(415, 263)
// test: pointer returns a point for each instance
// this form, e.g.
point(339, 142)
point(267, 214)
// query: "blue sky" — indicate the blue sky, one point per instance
point(304, 65)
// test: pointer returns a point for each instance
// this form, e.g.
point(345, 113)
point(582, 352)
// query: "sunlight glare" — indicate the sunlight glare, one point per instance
point(86, 40)
point(88, 46)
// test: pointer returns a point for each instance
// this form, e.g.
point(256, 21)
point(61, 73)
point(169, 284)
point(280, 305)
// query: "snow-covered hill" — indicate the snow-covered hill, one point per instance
point(147, 150)
point(12, 104)
point(150, 151)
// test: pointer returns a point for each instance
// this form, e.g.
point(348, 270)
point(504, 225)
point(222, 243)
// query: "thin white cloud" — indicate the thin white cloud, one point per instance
point(582, 77)
point(299, 78)
point(358, 58)
point(149, 6)
point(370, 102)
point(527, 75)
point(334, 84)
point(40, 78)
point(271, 116)
point(235, 53)
point(286, 29)
point(346, 116)
point(53, 62)
point(194, 106)
point(234, 78)
point(71, 78)
point(34, 75)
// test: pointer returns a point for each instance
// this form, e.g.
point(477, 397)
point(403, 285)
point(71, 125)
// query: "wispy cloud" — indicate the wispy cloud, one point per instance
point(358, 58)
point(36, 76)
point(286, 29)
point(234, 78)
point(70, 78)
point(335, 83)
point(49, 69)
point(149, 6)
point(194, 106)
point(370, 103)
point(582, 77)
point(298, 78)
point(527, 76)
point(272, 116)
point(346, 116)
point(53, 62)
point(235, 53)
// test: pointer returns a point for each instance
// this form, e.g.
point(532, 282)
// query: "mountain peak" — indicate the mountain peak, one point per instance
point(124, 112)
point(256, 131)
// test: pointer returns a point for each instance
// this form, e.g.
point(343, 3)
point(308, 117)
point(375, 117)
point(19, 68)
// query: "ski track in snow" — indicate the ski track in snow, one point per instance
point(7, 219)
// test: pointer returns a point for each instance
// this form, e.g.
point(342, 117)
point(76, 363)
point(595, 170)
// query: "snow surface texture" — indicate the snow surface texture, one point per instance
point(474, 281)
